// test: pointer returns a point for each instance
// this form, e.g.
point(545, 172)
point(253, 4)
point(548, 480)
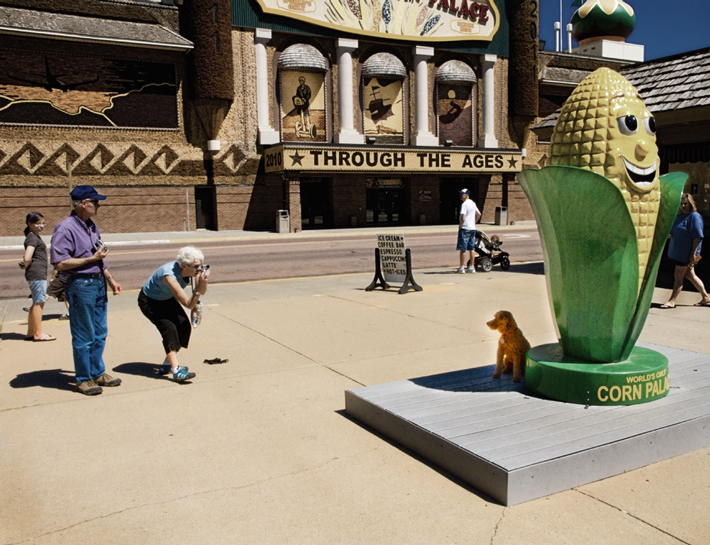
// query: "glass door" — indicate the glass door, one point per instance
point(385, 206)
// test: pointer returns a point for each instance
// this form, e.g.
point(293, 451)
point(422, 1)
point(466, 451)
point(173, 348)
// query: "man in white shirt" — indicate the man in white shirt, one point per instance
point(468, 217)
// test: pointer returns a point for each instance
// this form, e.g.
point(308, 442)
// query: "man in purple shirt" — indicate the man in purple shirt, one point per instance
point(77, 250)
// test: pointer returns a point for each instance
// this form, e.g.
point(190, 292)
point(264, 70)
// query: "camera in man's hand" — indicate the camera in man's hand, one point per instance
point(99, 246)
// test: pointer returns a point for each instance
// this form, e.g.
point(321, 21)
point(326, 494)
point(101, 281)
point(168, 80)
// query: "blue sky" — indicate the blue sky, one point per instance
point(664, 27)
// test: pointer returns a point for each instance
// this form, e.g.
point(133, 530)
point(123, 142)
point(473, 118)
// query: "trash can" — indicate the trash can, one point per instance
point(282, 221)
point(501, 215)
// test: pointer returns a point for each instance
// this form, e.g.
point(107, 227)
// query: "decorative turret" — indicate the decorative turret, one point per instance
point(607, 19)
point(601, 28)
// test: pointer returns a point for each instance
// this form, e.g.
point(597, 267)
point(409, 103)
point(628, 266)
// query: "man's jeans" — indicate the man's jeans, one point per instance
point(88, 305)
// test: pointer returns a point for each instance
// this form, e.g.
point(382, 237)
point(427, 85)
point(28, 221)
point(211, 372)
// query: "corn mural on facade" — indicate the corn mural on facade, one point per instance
point(605, 127)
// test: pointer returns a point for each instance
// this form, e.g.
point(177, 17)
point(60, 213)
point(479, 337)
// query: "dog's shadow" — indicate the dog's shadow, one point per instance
point(46, 378)
point(477, 379)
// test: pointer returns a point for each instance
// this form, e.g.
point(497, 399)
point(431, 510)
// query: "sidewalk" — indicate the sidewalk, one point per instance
point(193, 237)
point(260, 451)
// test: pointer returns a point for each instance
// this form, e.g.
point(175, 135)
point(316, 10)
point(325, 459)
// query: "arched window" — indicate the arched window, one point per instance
point(456, 103)
point(382, 96)
point(303, 100)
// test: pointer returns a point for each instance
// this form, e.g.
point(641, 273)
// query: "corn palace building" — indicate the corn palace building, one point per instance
point(219, 114)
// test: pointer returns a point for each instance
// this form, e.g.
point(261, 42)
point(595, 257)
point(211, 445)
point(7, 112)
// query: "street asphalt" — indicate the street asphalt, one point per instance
point(259, 450)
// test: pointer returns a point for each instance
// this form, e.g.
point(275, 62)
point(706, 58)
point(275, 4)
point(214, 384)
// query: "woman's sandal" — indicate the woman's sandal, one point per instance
point(44, 338)
point(666, 305)
point(702, 304)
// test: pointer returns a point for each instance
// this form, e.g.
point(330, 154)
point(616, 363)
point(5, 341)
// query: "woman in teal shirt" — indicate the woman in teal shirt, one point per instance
point(161, 301)
point(684, 250)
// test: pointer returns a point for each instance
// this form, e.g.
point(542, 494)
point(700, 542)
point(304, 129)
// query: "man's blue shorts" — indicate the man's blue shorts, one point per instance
point(467, 240)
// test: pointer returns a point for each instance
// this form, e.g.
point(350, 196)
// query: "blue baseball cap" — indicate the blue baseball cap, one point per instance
point(81, 192)
point(465, 191)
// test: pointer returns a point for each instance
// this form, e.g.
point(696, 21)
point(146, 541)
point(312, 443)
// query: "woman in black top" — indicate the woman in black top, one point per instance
point(34, 262)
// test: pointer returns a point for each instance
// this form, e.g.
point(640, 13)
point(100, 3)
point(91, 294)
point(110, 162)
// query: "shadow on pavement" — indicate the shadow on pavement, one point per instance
point(525, 268)
point(47, 378)
point(53, 317)
point(141, 369)
point(12, 336)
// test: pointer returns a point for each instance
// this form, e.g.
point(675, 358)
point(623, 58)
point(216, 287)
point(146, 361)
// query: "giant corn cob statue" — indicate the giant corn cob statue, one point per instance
point(604, 216)
point(605, 127)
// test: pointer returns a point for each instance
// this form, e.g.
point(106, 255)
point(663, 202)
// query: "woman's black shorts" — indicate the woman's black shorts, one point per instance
point(170, 319)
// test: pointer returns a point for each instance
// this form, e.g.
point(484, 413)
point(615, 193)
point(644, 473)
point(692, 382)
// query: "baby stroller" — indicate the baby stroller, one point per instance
point(489, 252)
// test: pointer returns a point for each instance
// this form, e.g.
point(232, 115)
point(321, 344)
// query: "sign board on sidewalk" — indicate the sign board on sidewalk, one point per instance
point(392, 256)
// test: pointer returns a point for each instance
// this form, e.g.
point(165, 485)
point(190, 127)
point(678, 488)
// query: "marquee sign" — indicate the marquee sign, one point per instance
point(414, 20)
point(280, 158)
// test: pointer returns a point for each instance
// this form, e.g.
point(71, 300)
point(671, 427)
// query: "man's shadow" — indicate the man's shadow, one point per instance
point(58, 379)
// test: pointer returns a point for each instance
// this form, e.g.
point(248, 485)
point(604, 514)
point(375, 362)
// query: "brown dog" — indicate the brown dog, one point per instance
point(512, 347)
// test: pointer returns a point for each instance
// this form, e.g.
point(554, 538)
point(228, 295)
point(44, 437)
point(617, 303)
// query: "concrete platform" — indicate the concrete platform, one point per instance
point(515, 447)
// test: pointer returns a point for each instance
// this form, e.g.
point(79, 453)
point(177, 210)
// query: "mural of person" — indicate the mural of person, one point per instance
point(454, 110)
point(302, 102)
point(303, 111)
point(455, 114)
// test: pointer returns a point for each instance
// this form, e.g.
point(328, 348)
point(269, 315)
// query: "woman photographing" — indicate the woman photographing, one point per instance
point(162, 300)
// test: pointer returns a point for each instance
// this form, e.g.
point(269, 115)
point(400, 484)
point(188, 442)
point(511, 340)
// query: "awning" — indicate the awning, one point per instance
point(297, 157)
point(73, 28)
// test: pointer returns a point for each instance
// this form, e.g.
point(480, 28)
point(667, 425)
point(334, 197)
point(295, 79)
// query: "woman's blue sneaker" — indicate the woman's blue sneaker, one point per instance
point(181, 375)
point(165, 367)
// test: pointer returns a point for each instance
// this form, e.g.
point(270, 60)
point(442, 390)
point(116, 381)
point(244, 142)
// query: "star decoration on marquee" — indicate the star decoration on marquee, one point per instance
point(512, 162)
point(296, 159)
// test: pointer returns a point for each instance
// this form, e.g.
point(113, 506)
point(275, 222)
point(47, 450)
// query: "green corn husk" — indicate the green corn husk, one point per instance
point(591, 258)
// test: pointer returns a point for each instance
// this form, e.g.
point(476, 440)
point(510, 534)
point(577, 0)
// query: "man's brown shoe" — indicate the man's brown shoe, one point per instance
point(108, 380)
point(88, 388)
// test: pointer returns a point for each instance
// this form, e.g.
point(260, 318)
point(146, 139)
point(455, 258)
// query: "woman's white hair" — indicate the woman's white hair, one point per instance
point(188, 255)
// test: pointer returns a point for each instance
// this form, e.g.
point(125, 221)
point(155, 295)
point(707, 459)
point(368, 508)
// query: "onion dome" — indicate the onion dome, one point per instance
point(603, 18)
point(455, 72)
point(384, 65)
point(303, 57)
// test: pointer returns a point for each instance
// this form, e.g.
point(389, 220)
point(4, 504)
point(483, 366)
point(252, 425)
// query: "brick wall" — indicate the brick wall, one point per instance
point(349, 195)
point(419, 207)
point(126, 210)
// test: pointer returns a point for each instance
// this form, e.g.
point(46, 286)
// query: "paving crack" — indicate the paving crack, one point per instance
point(500, 520)
point(257, 332)
point(186, 496)
point(642, 521)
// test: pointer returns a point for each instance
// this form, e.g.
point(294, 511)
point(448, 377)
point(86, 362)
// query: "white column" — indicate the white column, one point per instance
point(267, 135)
point(489, 87)
point(421, 135)
point(348, 134)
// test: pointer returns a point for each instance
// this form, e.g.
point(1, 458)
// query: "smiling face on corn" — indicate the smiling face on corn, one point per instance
point(632, 145)
point(605, 127)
